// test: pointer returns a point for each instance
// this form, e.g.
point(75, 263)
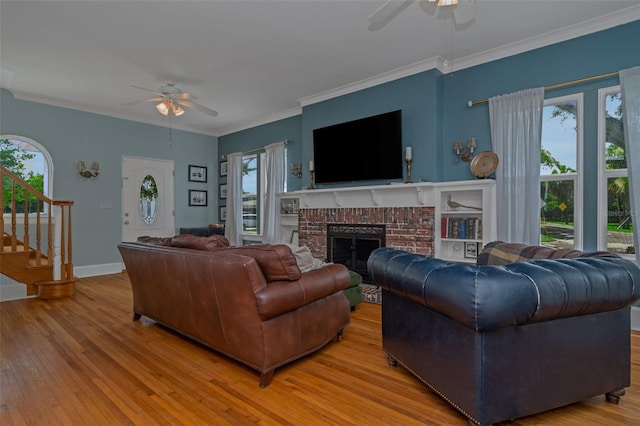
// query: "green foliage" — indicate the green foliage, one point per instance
point(13, 158)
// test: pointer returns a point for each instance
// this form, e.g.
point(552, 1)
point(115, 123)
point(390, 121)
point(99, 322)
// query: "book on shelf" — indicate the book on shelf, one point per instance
point(462, 228)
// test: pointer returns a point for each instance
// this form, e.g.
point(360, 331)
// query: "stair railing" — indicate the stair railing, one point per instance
point(37, 206)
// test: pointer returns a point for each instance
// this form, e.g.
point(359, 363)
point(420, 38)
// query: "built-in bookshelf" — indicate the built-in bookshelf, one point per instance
point(465, 219)
point(289, 209)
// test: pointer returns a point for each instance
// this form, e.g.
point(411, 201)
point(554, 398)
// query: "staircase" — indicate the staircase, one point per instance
point(36, 243)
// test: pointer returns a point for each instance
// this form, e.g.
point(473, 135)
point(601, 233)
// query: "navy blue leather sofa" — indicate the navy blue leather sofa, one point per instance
point(503, 342)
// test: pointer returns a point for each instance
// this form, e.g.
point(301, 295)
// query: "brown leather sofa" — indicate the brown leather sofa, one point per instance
point(250, 303)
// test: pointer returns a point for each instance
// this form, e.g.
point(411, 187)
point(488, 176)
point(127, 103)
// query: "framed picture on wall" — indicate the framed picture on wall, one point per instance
point(223, 190)
point(197, 174)
point(197, 198)
point(471, 250)
point(223, 168)
point(223, 213)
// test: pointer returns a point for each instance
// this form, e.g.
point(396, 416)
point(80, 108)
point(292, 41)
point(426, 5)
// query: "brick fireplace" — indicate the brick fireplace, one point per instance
point(406, 228)
point(404, 212)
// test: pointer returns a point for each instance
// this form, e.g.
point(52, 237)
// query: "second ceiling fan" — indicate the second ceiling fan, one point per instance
point(462, 12)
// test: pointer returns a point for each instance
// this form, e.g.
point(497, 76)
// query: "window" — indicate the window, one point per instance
point(614, 215)
point(253, 184)
point(560, 173)
point(30, 161)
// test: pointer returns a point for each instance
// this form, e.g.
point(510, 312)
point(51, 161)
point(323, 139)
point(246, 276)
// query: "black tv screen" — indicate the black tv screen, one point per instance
point(366, 149)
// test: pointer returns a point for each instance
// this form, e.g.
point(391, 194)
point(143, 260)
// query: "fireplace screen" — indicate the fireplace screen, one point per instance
point(351, 245)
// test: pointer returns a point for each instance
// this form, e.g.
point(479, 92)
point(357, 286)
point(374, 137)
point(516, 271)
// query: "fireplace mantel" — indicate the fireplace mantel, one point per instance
point(422, 217)
point(393, 195)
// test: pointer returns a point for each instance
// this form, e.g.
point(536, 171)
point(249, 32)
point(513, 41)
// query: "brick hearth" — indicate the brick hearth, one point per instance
point(407, 228)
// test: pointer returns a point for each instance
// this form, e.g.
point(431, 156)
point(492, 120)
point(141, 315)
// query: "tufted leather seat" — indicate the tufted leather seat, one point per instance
point(501, 342)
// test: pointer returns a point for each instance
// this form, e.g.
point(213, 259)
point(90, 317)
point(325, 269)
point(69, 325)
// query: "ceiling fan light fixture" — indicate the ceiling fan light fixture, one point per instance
point(163, 108)
point(447, 2)
point(177, 111)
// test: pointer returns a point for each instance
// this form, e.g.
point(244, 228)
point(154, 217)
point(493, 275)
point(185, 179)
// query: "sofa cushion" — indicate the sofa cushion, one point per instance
point(276, 260)
point(501, 253)
point(211, 243)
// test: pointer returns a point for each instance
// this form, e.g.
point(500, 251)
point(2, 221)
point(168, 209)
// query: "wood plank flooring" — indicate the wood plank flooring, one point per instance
point(83, 361)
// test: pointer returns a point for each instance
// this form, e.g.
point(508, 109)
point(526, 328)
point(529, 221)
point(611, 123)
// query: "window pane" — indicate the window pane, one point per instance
point(614, 139)
point(559, 139)
point(556, 221)
point(619, 226)
point(148, 200)
point(250, 194)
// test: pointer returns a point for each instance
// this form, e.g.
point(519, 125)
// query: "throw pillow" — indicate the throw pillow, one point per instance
point(276, 260)
point(156, 241)
point(305, 260)
point(211, 243)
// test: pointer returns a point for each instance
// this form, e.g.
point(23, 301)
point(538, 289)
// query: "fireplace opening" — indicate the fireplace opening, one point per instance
point(351, 245)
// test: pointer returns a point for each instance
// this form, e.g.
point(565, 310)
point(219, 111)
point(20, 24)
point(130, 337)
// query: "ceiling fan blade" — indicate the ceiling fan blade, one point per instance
point(386, 13)
point(195, 105)
point(464, 14)
point(148, 90)
point(143, 100)
point(185, 95)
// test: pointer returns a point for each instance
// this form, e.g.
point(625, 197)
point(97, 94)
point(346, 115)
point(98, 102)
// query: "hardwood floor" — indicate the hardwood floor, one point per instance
point(84, 361)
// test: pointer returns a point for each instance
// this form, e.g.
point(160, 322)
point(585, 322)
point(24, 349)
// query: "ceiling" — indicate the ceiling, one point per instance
point(257, 61)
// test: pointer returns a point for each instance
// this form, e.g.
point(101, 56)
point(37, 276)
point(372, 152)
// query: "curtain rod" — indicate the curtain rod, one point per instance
point(259, 148)
point(249, 151)
point(555, 86)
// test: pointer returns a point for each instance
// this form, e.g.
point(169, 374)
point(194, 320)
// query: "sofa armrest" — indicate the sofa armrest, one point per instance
point(491, 297)
point(280, 297)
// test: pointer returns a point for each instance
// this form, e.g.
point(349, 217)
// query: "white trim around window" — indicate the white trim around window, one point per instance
point(577, 177)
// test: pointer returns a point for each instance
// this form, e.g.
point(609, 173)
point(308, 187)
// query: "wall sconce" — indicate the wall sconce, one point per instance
point(296, 170)
point(463, 155)
point(88, 174)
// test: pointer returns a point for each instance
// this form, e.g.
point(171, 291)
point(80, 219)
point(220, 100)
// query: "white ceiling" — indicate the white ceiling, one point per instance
point(256, 61)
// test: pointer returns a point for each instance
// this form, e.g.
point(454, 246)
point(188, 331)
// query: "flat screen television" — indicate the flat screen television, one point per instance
point(365, 149)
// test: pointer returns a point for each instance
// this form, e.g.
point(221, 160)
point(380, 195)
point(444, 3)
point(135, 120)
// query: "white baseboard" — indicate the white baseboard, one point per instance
point(95, 270)
point(635, 318)
point(13, 290)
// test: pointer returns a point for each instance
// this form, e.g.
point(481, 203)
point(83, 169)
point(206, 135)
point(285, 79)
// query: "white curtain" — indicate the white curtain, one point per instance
point(630, 89)
point(516, 132)
point(233, 225)
point(275, 183)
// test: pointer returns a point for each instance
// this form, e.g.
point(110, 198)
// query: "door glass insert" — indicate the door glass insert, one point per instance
point(148, 200)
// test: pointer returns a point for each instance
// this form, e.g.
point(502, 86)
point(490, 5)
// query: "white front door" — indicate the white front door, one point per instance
point(147, 198)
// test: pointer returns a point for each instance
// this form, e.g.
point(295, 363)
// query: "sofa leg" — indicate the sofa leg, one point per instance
point(614, 396)
point(339, 335)
point(265, 378)
point(136, 316)
point(391, 360)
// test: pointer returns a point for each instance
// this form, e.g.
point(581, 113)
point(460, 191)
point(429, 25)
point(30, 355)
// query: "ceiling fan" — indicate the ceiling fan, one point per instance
point(172, 100)
point(462, 12)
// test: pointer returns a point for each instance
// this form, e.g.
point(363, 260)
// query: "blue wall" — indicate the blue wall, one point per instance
point(71, 135)
point(435, 111)
point(288, 129)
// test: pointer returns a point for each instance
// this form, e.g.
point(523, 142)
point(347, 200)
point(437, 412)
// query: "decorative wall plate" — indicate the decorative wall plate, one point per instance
point(484, 164)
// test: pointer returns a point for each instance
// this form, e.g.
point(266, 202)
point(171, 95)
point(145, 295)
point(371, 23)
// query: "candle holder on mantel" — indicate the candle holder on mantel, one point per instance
point(311, 172)
point(408, 160)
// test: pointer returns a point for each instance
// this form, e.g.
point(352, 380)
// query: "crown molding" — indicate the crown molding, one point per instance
point(602, 23)
point(23, 96)
point(376, 80)
point(624, 16)
point(264, 120)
